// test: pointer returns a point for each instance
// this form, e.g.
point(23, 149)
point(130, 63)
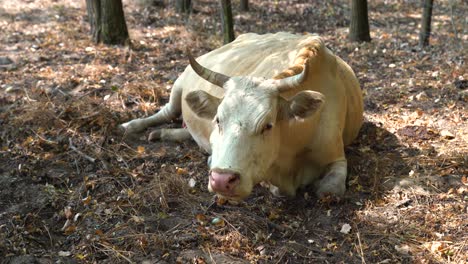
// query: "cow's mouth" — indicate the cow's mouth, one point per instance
point(229, 196)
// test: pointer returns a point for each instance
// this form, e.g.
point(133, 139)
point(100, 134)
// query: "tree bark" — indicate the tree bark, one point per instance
point(359, 26)
point(425, 32)
point(244, 5)
point(184, 6)
point(226, 21)
point(107, 21)
point(94, 16)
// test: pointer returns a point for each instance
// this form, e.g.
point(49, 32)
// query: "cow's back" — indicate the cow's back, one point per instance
point(354, 102)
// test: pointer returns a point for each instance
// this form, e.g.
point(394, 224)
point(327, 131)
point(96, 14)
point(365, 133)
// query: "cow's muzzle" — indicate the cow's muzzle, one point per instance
point(224, 181)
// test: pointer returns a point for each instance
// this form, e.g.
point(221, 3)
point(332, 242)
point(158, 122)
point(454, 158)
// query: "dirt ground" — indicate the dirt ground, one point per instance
point(72, 190)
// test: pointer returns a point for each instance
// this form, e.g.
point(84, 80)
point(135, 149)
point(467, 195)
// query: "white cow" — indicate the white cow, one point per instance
point(277, 108)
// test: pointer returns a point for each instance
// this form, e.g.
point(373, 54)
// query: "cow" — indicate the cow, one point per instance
point(275, 108)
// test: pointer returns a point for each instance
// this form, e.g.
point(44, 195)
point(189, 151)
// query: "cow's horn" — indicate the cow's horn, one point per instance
point(215, 78)
point(292, 82)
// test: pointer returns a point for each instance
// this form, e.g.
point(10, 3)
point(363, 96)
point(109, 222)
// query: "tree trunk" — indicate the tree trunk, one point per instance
point(94, 16)
point(425, 32)
point(244, 5)
point(359, 26)
point(226, 20)
point(183, 6)
point(107, 21)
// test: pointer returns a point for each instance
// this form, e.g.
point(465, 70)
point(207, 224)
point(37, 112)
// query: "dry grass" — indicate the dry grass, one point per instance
point(73, 188)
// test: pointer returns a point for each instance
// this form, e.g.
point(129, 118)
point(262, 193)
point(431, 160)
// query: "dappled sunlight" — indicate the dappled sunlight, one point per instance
point(73, 189)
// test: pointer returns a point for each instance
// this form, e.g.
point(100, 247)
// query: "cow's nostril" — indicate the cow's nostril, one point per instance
point(232, 182)
point(233, 178)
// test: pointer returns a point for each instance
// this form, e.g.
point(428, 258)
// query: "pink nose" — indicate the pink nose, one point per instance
point(224, 182)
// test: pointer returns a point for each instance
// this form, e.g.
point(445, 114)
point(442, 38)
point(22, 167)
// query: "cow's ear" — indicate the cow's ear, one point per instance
point(302, 105)
point(203, 104)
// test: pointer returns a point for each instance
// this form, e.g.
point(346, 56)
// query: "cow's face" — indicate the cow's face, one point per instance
point(246, 138)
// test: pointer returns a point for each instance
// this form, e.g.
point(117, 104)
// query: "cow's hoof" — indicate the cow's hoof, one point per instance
point(155, 135)
point(121, 129)
point(132, 127)
point(327, 187)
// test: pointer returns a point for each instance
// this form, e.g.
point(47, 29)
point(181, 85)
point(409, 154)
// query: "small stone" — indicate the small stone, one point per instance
point(216, 221)
point(345, 229)
point(391, 65)
point(64, 253)
point(262, 250)
point(421, 96)
point(38, 58)
point(402, 249)
point(446, 134)
point(192, 183)
point(5, 60)
point(7, 64)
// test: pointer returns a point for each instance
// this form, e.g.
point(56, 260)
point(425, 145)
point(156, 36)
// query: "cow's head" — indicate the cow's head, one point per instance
point(246, 139)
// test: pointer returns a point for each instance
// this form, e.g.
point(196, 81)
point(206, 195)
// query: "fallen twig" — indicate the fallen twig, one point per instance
point(70, 145)
point(360, 248)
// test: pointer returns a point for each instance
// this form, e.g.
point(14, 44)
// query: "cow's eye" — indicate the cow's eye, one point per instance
point(220, 129)
point(267, 127)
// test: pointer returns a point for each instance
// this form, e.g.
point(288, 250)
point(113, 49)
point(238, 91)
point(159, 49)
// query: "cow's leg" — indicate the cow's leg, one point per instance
point(169, 112)
point(171, 134)
point(334, 180)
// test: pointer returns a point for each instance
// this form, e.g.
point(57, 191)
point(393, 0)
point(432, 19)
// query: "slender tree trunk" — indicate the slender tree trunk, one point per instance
point(226, 20)
point(359, 26)
point(244, 5)
point(184, 6)
point(425, 32)
point(94, 15)
point(107, 21)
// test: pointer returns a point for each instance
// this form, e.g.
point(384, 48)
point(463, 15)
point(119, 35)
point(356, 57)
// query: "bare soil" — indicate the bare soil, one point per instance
point(72, 190)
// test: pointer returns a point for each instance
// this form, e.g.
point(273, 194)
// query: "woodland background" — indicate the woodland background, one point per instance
point(73, 190)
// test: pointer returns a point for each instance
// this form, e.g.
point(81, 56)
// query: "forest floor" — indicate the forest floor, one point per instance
point(73, 190)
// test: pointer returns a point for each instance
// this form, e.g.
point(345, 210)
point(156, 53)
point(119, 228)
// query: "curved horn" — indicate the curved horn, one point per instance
point(292, 82)
point(215, 78)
